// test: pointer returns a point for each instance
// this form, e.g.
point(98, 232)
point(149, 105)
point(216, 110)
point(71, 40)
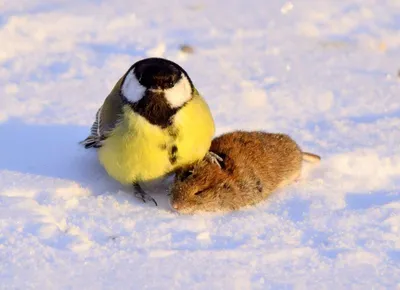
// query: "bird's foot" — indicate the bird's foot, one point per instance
point(141, 194)
point(214, 158)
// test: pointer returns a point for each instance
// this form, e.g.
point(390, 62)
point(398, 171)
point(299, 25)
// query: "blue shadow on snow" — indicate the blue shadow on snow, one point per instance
point(53, 151)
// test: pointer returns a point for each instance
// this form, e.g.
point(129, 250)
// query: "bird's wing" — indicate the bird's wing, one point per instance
point(107, 117)
point(95, 130)
point(96, 135)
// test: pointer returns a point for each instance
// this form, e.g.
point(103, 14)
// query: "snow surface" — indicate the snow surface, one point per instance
point(325, 72)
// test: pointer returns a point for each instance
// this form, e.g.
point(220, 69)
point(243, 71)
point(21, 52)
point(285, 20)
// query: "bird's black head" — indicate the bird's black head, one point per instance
point(156, 88)
point(158, 74)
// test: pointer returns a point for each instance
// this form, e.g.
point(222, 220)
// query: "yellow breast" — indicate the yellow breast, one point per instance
point(139, 151)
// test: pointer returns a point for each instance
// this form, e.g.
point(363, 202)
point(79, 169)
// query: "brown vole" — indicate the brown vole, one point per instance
point(254, 165)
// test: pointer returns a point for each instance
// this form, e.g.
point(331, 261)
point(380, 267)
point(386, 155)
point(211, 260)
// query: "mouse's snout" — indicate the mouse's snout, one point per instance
point(175, 205)
point(179, 205)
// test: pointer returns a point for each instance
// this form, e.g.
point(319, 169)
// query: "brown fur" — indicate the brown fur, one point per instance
point(254, 165)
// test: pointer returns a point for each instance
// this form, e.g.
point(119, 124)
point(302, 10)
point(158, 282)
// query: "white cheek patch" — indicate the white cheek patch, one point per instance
point(180, 93)
point(131, 88)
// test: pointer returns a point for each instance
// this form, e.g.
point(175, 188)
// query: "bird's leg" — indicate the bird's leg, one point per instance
point(214, 158)
point(141, 194)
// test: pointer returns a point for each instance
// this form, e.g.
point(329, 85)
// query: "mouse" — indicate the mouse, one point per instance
point(252, 165)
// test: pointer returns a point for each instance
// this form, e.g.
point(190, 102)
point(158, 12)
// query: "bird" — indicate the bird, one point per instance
point(153, 122)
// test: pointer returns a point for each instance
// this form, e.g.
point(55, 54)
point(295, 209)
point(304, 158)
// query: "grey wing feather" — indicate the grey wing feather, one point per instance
point(96, 125)
point(95, 138)
point(107, 118)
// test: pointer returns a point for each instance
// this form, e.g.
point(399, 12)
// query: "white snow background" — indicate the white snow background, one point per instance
point(325, 72)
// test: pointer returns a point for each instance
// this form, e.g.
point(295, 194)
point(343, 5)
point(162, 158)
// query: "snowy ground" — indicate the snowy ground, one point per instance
point(326, 72)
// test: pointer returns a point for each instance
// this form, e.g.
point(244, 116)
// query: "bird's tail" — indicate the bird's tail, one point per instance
point(310, 157)
point(91, 142)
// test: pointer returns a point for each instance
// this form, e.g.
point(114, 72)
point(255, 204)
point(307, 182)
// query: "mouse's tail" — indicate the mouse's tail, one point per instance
point(312, 158)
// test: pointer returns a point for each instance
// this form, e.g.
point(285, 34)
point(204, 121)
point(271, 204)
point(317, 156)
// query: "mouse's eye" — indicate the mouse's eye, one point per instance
point(199, 192)
point(202, 192)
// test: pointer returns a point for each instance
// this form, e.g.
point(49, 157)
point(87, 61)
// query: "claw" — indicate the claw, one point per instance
point(214, 158)
point(141, 194)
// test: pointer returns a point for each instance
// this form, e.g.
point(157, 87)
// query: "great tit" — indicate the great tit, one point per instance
point(152, 122)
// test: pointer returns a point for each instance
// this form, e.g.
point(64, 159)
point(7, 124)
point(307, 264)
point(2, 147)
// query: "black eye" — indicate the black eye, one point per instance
point(199, 192)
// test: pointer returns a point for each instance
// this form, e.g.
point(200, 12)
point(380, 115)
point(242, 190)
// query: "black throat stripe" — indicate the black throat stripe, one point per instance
point(155, 109)
point(173, 154)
